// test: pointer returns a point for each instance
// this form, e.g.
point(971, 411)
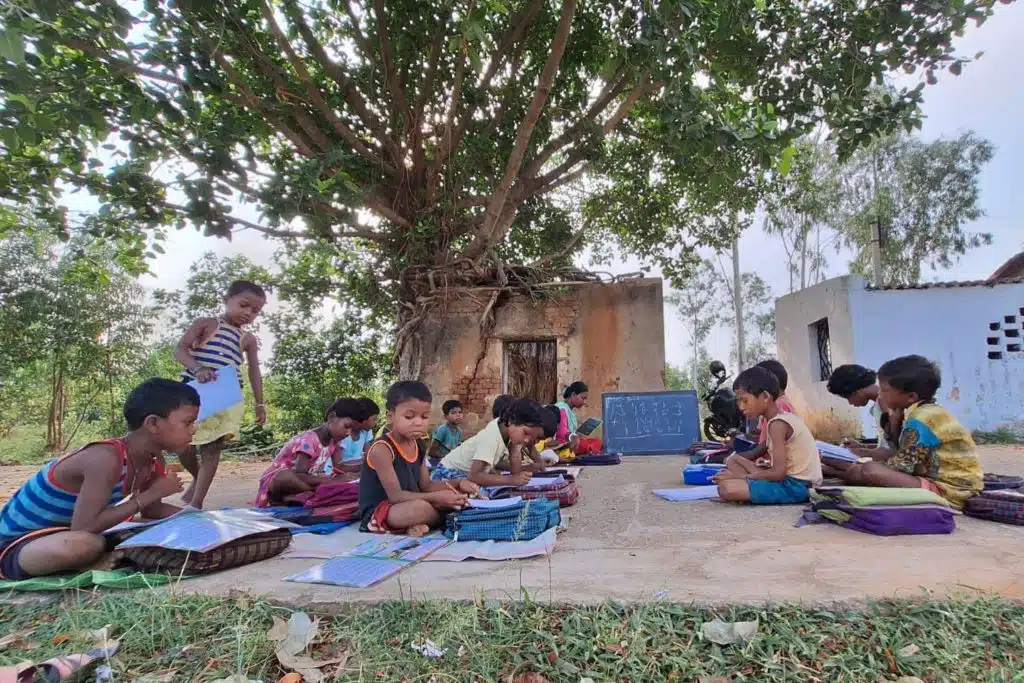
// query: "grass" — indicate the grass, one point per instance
point(1001, 436)
point(202, 638)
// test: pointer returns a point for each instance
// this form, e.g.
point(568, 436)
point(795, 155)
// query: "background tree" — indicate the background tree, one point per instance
point(923, 193)
point(800, 208)
point(432, 137)
point(698, 305)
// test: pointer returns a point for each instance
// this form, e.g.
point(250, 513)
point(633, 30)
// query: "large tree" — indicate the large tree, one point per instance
point(434, 136)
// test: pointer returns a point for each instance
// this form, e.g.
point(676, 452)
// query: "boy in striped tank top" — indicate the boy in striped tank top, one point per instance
point(209, 345)
point(55, 521)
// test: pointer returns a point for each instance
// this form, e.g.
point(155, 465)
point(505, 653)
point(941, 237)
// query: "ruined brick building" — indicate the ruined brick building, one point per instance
point(612, 336)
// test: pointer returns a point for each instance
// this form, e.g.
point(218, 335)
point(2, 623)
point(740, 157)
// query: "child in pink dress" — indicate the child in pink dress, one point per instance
point(294, 469)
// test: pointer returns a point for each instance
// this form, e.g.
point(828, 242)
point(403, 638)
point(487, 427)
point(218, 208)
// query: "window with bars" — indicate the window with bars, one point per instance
point(821, 350)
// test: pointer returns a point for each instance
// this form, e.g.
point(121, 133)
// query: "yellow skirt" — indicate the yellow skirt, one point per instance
point(225, 426)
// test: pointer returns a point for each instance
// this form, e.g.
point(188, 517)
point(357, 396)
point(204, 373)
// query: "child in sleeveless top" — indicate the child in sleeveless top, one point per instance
point(300, 465)
point(54, 522)
point(209, 345)
point(396, 494)
point(793, 465)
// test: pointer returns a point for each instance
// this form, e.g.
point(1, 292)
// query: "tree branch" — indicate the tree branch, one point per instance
point(337, 73)
point(317, 98)
point(447, 142)
point(496, 209)
point(421, 100)
point(105, 56)
point(574, 239)
point(390, 73)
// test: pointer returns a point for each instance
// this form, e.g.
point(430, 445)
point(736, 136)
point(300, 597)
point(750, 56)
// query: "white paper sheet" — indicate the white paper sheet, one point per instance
point(495, 550)
point(540, 482)
point(220, 394)
point(494, 504)
point(837, 452)
point(688, 494)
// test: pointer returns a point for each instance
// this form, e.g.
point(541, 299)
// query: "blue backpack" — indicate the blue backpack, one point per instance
point(523, 521)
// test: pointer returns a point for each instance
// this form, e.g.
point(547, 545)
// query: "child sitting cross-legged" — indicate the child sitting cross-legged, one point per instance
point(448, 436)
point(793, 465)
point(300, 464)
point(396, 494)
point(934, 451)
point(499, 446)
point(55, 521)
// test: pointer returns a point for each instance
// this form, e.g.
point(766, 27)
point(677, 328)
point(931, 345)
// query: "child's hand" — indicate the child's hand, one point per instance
point(724, 475)
point(468, 487)
point(450, 499)
point(204, 375)
point(521, 479)
point(261, 414)
point(167, 485)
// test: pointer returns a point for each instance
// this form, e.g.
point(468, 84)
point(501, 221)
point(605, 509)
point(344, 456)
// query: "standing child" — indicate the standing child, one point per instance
point(209, 345)
point(793, 465)
point(396, 494)
point(934, 450)
point(448, 436)
point(54, 522)
point(498, 446)
point(575, 398)
point(294, 469)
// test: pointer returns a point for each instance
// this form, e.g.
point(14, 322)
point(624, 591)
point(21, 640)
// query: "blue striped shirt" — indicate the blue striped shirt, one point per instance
point(42, 503)
point(224, 348)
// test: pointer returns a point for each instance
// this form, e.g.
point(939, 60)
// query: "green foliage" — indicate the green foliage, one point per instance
point(73, 324)
point(455, 125)
point(924, 194)
point(676, 379)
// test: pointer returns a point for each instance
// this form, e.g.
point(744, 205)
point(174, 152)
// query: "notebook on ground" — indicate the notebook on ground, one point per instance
point(370, 563)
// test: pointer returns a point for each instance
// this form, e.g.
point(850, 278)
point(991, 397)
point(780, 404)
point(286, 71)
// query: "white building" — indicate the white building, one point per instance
point(974, 331)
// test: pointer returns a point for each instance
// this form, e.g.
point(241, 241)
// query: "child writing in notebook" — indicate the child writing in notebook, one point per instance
point(498, 446)
point(448, 436)
point(396, 494)
point(211, 345)
point(299, 466)
point(792, 465)
point(348, 459)
point(933, 451)
point(760, 452)
point(54, 522)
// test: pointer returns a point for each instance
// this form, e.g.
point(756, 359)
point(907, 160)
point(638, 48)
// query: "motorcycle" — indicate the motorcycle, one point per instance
point(721, 402)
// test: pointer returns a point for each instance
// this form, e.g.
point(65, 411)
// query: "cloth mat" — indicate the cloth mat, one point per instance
point(688, 494)
point(121, 578)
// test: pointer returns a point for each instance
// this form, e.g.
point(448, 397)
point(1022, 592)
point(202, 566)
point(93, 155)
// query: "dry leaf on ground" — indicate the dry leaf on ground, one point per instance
point(293, 677)
point(168, 676)
point(909, 650)
point(296, 634)
point(309, 668)
point(237, 678)
point(531, 677)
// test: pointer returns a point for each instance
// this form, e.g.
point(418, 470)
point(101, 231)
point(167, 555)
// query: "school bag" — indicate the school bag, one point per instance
point(1001, 482)
point(997, 506)
point(523, 521)
point(241, 551)
point(565, 494)
point(881, 511)
point(597, 459)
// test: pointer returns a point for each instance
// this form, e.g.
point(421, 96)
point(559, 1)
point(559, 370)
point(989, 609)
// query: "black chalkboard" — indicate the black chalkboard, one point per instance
point(650, 423)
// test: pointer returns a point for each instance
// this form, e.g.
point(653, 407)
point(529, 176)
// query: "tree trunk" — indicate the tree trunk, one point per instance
point(694, 362)
point(737, 299)
point(55, 419)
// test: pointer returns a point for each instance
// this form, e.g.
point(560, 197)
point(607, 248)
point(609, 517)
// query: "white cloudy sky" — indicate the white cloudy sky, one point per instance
point(986, 98)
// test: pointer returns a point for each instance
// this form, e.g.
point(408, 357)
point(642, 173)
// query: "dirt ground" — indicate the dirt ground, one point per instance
point(624, 543)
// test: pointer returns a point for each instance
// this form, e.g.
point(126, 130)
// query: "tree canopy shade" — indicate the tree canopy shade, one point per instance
point(438, 134)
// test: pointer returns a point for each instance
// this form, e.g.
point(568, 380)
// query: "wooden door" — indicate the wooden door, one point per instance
point(531, 370)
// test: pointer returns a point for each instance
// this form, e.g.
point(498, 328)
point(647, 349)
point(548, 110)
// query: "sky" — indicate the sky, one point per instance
point(986, 98)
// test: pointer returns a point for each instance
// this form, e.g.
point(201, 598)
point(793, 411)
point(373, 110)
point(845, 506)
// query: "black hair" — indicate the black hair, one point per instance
point(245, 287)
point(757, 380)
point(345, 407)
point(778, 369)
point(576, 387)
point(157, 396)
point(407, 390)
point(369, 406)
point(501, 404)
point(552, 416)
point(912, 375)
point(523, 411)
point(847, 380)
point(449, 406)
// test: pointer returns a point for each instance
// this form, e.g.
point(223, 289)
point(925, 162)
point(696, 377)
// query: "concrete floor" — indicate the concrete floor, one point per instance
point(624, 543)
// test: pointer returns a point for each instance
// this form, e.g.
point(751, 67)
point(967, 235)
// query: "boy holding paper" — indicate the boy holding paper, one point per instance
point(211, 345)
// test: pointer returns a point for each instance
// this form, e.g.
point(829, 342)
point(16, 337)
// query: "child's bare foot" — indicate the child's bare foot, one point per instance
point(417, 530)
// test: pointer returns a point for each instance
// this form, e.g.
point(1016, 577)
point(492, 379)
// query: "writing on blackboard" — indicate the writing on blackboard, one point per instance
point(648, 423)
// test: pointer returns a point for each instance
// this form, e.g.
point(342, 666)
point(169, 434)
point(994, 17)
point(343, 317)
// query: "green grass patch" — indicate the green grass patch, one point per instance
point(203, 638)
point(999, 437)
